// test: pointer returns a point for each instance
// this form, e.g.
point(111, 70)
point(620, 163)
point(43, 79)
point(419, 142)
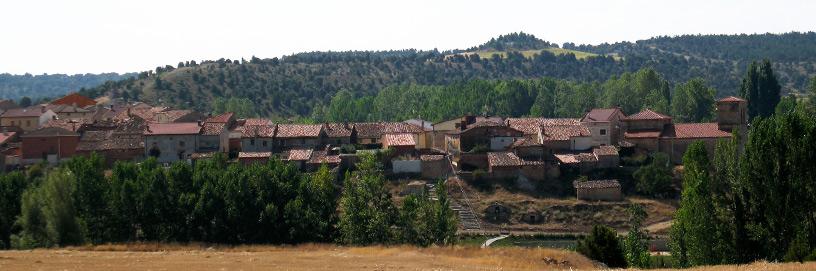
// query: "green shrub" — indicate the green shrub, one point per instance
point(602, 245)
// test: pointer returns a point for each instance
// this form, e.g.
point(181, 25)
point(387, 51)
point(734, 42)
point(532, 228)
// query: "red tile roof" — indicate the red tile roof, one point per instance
point(213, 128)
point(67, 124)
point(647, 114)
point(530, 126)
point(320, 157)
point(31, 111)
point(223, 118)
point(600, 114)
point(526, 141)
point(299, 155)
point(265, 131)
point(298, 130)
point(255, 121)
point(564, 132)
point(334, 130)
point(605, 150)
point(731, 99)
point(75, 98)
point(642, 134)
point(377, 129)
point(254, 155)
point(181, 128)
point(5, 136)
point(503, 159)
point(398, 140)
point(695, 130)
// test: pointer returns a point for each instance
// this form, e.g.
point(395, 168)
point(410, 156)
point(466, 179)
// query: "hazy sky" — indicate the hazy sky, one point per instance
point(79, 36)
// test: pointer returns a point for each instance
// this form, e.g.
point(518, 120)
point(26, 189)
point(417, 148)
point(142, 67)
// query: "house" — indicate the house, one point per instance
point(71, 112)
point(170, 142)
point(215, 133)
point(603, 190)
point(29, 118)
point(604, 125)
point(505, 165)
point(258, 138)
point(319, 158)
point(236, 132)
point(401, 143)
point(124, 143)
point(294, 136)
point(675, 139)
point(644, 128)
point(601, 157)
point(462, 123)
point(532, 126)
point(489, 135)
point(248, 158)
point(298, 157)
point(434, 166)
point(52, 144)
point(566, 137)
point(371, 134)
point(338, 134)
point(74, 99)
point(607, 156)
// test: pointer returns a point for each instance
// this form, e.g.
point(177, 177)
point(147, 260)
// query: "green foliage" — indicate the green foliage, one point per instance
point(786, 105)
point(655, 178)
point(693, 101)
point(242, 107)
point(602, 245)
point(48, 215)
point(761, 88)
point(635, 245)
point(636, 91)
point(25, 87)
point(367, 211)
point(11, 190)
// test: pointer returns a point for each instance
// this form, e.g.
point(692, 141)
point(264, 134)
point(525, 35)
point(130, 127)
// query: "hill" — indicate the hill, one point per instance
point(299, 84)
point(50, 85)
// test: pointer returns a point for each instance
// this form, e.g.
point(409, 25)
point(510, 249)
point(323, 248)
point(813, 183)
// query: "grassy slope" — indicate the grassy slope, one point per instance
point(530, 53)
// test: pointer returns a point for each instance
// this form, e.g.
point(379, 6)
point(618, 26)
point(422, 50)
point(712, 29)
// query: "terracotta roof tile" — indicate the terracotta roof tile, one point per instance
point(31, 111)
point(223, 118)
point(334, 130)
point(254, 155)
point(75, 98)
point(731, 99)
point(503, 159)
point(647, 114)
point(299, 155)
point(265, 131)
point(398, 140)
point(255, 121)
point(596, 184)
point(564, 132)
point(530, 126)
point(50, 132)
point(5, 136)
point(526, 141)
point(182, 128)
point(600, 114)
point(298, 130)
point(695, 130)
point(67, 124)
point(320, 157)
point(377, 129)
point(213, 128)
point(605, 150)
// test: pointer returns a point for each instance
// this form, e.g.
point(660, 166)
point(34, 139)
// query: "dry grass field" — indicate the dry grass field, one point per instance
point(314, 257)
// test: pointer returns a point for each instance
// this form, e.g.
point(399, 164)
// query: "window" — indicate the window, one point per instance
point(252, 142)
point(263, 143)
point(181, 143)
point(603, 131)
point(28, 122)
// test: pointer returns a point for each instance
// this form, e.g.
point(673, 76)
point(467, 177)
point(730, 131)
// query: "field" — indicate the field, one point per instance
point(315, 257)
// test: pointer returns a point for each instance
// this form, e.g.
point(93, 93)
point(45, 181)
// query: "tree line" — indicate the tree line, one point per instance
point(82, 202)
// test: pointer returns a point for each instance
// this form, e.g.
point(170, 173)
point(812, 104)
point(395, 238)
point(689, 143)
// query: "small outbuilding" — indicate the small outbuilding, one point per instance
point(606, 190)
point(416, 188)
point(532, 217)
point(497, 212)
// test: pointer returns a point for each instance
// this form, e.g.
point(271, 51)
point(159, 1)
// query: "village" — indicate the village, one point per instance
point(529, 157)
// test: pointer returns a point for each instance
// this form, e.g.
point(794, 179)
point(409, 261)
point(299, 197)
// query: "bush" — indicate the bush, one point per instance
point(654, 179)
point(602, 245)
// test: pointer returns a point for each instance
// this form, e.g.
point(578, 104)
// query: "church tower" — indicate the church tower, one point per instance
point(732, 114)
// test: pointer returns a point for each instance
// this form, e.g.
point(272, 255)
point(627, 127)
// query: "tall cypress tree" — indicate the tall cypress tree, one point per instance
point(761, 88)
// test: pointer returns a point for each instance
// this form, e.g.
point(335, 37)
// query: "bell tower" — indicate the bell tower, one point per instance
point(732, 114)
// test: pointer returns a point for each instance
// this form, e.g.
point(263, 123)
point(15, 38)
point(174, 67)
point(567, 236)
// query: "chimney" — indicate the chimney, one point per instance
point(199, 123)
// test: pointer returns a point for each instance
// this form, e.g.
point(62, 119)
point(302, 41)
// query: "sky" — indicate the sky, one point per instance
point(95, 36)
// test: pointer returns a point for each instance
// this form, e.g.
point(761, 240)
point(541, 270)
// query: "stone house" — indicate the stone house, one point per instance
point(258, 138)
point(170, 142)
point(298, 157)
point(434, 166)
point(604, 125)
point(124, 143)
point(532, 126)
point(248, 158)
point(28, 119)
point(370, 134)
point(402, 144)
point(565, 137)
point(603, 190)
point(338, 134)
point(299, 136)
point(71, 112)
point(493, 136)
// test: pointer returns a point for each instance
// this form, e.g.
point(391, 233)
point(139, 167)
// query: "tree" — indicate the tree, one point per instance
point(761, 88)
point(366, 208)
point(48, 217)
point(693, 101)
point(635, 246)
point(12, 186)
point(655, 178)
point(25, 101)
point(602, 245)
